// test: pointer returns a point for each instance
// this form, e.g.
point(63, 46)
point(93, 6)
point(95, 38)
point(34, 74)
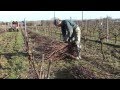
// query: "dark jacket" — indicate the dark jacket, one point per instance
point(68, 28)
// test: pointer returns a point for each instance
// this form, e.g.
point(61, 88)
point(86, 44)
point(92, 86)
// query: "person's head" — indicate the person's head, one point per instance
point(57, 22)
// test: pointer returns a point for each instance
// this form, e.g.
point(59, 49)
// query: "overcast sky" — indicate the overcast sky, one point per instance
point(47, 15)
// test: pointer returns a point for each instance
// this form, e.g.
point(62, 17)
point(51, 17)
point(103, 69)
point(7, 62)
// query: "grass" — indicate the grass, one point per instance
point(13, 60)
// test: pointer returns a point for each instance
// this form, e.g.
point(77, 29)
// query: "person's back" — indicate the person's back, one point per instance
point(69, 23)
point(68, 30)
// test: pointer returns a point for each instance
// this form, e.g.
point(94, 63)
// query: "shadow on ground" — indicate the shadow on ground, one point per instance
point(9, 55)
point(63, 74)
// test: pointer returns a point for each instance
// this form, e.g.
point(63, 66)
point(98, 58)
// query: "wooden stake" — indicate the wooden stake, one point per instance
point(107, 30)
point(42, 65)
point(49, 69)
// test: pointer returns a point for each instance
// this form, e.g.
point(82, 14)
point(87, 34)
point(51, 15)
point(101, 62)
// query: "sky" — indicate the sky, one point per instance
point(48, 15)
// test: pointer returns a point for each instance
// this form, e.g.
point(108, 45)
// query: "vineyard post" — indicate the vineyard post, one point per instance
point(82, 17)
point(35, 27)
point(85, 37)
point(26, 36)
point(30, 51)
point(102, 24)
point(5, 27)
point(32, 28)
point(86, 25)
point(116, 34)
point(101, 37)
point(47, 30)
point(82, 21)
point(107, 29)
point(18, 24)
point(52, 33)
point(55, 33)
point(42, 66)
point(49, 34)
point(25, 28)
point(11, 24)
point(44, 32)
point(49, 69)
point(101, 27)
